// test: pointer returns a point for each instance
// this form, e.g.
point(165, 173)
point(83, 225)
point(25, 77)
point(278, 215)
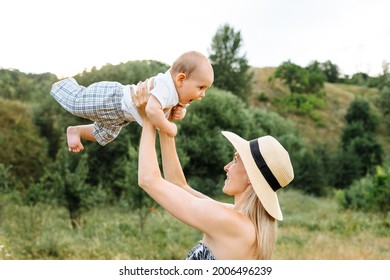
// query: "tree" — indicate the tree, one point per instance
point(65, 183)
point(231, 70)
point(21, 146)
point(331, 71)
point(359, 78)
point(360, 150)
point(311, 177)
point(292, 75)
point(17, 85)
point(300, 80)
point(359, 111)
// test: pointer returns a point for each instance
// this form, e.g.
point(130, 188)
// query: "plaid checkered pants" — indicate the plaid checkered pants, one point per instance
point(100, 102)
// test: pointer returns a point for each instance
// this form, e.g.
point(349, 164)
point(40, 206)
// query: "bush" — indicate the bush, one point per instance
point(262, 97)
point(64, 182)
point(358, 143)
point(300, 80)
point(302, 104)
point(380, 196)
point(21, 146)
point(5, 178)
point(310, 173)
point(371, 193)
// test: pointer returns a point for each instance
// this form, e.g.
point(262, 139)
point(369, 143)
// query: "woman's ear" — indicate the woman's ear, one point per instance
point(180, 78)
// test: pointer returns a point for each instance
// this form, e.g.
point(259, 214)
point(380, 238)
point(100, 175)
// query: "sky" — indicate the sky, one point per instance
point(66, 37)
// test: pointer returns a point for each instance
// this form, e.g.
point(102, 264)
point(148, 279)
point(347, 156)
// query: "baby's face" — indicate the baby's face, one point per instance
point(194, 87)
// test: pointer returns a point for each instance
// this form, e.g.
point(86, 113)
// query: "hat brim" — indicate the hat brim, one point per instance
point(265, 193)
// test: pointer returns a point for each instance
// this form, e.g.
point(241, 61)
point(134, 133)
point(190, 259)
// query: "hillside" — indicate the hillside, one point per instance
point(329, 120)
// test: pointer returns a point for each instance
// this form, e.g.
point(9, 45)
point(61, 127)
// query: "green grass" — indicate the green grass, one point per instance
point(312, 229)
point(110, 233)
point(317, 229)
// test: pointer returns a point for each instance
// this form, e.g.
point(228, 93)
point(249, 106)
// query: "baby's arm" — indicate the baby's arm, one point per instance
point(178, 112)
point(156, 115)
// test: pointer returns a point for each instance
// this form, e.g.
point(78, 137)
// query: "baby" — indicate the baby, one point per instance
point(110, 107)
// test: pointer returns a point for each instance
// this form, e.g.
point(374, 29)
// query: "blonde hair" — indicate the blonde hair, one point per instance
point(265, 224)
point(188, 62)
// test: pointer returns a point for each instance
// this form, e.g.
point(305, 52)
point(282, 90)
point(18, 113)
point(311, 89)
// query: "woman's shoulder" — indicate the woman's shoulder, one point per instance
point(228, 222)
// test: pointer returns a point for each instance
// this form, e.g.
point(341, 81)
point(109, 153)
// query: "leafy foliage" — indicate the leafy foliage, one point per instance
point(301, 104)
point(132, 197)
point(21, 146)
point(362, 79)
point(65, 182)
point(360, 111)
point(328, 69)
point(360, 151)
point(310, 172)
point(370, 193)
point(16, 85)
point(231, 69)
point(6, 182)
point(298, 79)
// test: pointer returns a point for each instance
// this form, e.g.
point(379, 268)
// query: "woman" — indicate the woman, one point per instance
point(245, 230)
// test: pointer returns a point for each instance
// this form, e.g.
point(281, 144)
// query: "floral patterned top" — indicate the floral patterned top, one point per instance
point(200, 252)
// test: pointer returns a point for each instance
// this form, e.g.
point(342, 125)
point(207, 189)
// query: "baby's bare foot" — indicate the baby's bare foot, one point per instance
point(73, 138)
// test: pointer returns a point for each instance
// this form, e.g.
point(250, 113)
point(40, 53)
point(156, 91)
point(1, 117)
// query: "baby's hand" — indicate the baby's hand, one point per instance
point(178, 112)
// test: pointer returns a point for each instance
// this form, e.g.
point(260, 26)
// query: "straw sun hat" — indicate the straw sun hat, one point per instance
point(268, 166)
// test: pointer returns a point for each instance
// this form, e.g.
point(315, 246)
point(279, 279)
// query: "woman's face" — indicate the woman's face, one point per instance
point(237, 179)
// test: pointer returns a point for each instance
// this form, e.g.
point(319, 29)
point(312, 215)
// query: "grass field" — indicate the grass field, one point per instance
point(316, 229)
point(312, 229)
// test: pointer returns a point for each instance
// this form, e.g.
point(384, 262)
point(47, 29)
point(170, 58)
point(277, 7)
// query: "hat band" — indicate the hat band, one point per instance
point(262, 165)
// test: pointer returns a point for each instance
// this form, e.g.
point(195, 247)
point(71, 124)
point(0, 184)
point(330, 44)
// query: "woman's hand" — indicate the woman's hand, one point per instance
point(141, 98)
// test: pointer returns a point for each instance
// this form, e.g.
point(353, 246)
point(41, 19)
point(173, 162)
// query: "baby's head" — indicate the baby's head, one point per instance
point(192, 74)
